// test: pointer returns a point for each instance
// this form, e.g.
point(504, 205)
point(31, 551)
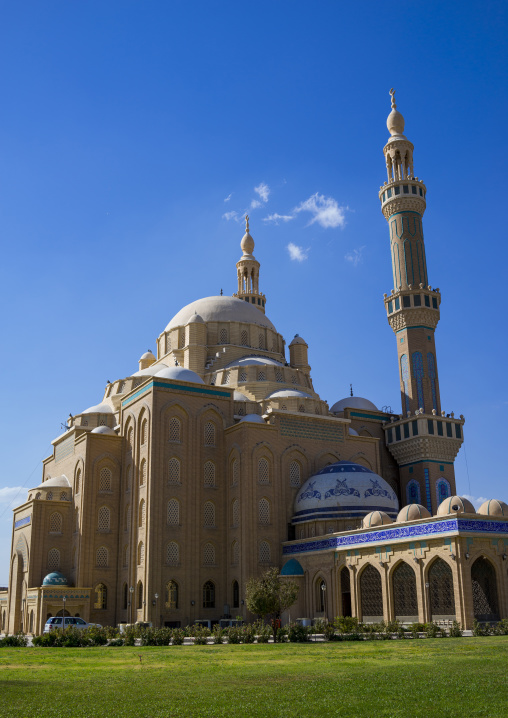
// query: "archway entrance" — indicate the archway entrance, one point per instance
point(405, 600)
point(484, 584)
point(345, 591)
point(442, 598)
point(371, 595)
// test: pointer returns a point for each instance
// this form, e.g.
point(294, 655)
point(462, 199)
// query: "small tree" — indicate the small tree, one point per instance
point(270, 595)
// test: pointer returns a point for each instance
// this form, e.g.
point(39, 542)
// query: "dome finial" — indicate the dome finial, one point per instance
point(247, 223)
point(392, 93)
point(247, 243)
point(395, 121)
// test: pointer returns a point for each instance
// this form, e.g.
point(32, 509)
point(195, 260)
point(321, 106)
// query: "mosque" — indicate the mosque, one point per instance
point(216, 458)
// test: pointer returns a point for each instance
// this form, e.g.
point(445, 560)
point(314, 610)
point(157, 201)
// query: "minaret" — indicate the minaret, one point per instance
point(413, 313)
point(248, 272)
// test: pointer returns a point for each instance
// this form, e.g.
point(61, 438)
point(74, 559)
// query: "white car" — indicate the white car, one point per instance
point(56, 622)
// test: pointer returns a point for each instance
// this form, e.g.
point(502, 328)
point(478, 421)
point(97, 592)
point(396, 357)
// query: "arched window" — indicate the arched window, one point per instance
point(242, 376)
point(235, 552)
point(171, 595)
point(295, 474)
point(104, 519)
point(181, 338)
point(78, 482)
point(142, 473)
point(209, 595)
point(49, 496)
point(443, 490)
point(431, 366)
point(101, 556)
point(140, 594)
point(130, 439)
point(264, 511)
point(209, 474)
point(226, 377)
point(345, 591)
point(173, 512)
point(442, 598)
point(55, 523)
point(141, 513)
point(209, 434)
point(235, 513)
point(236, 594)
point(38, 495)
point(127, 517)
point(418, 375)
point(125, 594)
point(413, 492)
point(125, 555)
point(235, 472)
point(209, 554)
point(209, 514)
point(404, 372)
point(172, 554)
point(31, 628)
point(294, 380)
point(174, 471)
point(301, 408)
point(244, 338)
point(261, 342)
point(371, 595)
point(105, 479)
point(63, 496)
point(101, 596)
point(53, 558)
point(321, 595)
point(141, 553)
point(175, 429)
point(263, 471)
point(168, 343)
point(484, 585)
point(144, 431)
point(223, 336)
point(261, 376)
point(279, 376)
point(405, 600)
point(264, 552)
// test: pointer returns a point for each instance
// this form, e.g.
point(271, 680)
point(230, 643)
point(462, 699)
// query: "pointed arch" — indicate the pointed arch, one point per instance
point(441, 590)
point(101, 596)
point(171, 595)
point(371, 594)
point(209, 594)
point(485, 592)
point(405, 597)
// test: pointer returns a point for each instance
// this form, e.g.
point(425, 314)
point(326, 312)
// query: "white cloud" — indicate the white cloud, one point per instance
point(255, 204)
point(276, 218)
point(355, 256)
point(296, 253)
point(11, 494)
point(325, 211)
point(263, 190)
point(477, 501)
point(226, 199)
point(230, 215)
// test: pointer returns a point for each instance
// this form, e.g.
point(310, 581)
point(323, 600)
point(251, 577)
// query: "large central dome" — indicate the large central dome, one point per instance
point(221, 309)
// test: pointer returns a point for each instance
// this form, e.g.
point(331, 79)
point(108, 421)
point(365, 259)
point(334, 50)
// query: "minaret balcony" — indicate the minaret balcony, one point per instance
point(413, 307)
point(403, 195)
point(424, 437)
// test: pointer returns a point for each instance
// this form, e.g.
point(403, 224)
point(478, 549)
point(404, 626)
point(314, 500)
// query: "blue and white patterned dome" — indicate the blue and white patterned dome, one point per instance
point(344, 490)
point(55, 579)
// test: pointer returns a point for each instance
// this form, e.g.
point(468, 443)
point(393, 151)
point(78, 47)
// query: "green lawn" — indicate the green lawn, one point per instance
point(441, 678)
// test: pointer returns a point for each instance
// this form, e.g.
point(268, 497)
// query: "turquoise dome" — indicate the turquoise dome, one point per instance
point(292, 568)
point(55, 579)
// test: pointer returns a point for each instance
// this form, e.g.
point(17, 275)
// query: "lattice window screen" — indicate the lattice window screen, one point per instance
point(236, 513)
point(174, 470)
point(264, 552)
point(264, 511)
point(141, 553)
point(223, 336)
point(294, 473)
point(209, 474)
point(226, 377)
point(105, 479)
point(104, 519)
point(172, 553)
point(235, 472)
point(209, 514)
point(55, 522)
point(261, 376)
point(78, 481)
point(245, 338)
point(101, 556)
point(173, 513)
point(142, 513)
point(279, 376)
point(209, 554)
point(235, 552)
point(243, 376)
point(263, 471)
point(209, 434)
point(175, 429)
point(53, 558)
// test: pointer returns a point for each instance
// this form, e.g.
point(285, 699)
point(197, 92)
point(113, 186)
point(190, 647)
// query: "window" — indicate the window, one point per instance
point(262, 344)
point(181, 338)
point(172, 553)
point(264, 552)
point(173, 512)
point(141, 553)
point(371, 594)
point(125, 594)
point(226, 377)
point(223, 336)
point(78, 481)
point(443, 490)
point(236, 595)
point(404, 593)
point(244, 339)
point(105, 479)
point(209, 595)
point(168, 343)
point(235, 552)
point(38, 495)
point(264, 511)
point(49, 495)
point(142, 473)
point(174, 471)
point(63, 496)
point(209, 474)
point(144, 431)
point(55, 523)
point(321, 588)
point(301, 408)
point(209, 514)
point(261, 376)
point(101, 596)
point(235, 513)
point(101, 556)
point(175, 429)
point(171, 595)
point(104, 519)
point(209, 433)
point(294, 473)
point(413, 492)
point(279, 376)
point(140, 594)
point(242, 376)
point(263, 471)
point(53, 558)
point(417, 300)
point(209, 554)
point(235, 472)
point(141, 513)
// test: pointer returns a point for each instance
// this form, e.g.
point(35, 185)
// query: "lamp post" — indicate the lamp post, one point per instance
point(64, 599)
point(156, 597)
point(131, 590)
point(323, 588)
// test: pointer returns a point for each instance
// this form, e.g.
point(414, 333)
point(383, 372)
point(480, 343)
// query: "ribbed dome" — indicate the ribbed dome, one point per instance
point(179, 373)
point(353, 402)
point(376, 518)
point(494, 507)
point(221, 309)
point(344, 490)
point(413, 512)
point(455, 505)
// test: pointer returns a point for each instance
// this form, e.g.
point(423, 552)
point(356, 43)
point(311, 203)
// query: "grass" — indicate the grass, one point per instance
point(432, 678)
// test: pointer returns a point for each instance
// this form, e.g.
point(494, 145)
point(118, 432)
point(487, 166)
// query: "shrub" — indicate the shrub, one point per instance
point(178, 635)
point(116, 642)
point(392, 627)
point(319, 626)
point(432, 630)
point(455, 630)
point(95, 636)
point(234, 634)
point(200, 634)
point(346, 624)
point(501, 628)
point(297, 633)
point(249, 633)
point(16, 641)
point(129, 636)
point(218, 634)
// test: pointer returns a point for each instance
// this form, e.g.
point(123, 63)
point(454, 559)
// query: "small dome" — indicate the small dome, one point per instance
point(150, 370)
point(238, 396)
point(103, 408)
point(55, 578)
point(59, 481)
point(455, 505)
point(353, 432)
point(147, 355)
point(196, 318)
point(103, 430)
point(253, 418)
point(253, 361)
point(353, 402)
point(412, 512)
point(179, 373)
point(493, 507)
point(376, 518)
point(292, 568)
point(298, 340)
point(288, 394)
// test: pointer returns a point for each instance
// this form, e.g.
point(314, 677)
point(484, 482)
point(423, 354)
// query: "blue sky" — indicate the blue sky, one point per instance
point(133, 137)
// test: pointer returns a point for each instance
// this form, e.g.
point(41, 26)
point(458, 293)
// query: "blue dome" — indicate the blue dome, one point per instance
point(344, 490)
point(55, 579)
point(292, 568)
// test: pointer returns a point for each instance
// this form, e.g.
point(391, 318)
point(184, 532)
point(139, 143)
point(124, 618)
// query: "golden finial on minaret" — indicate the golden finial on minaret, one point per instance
point(247, 223)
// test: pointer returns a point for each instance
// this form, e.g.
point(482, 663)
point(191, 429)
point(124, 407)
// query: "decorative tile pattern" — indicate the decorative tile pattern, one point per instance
point(427, 489)
point(306, 430)
point(431, 364)
point(404, 370)
point(418, 375)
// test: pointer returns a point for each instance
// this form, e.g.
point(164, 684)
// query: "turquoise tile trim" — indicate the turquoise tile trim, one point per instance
point(428, 461)
point(416, 326)
point(406, 211)
point(361, 415)
point(170, 385)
